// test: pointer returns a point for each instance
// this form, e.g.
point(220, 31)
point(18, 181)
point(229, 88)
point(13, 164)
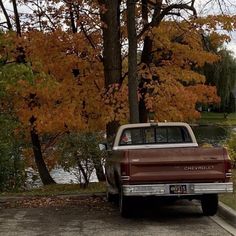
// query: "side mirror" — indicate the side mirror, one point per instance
point(102, 146)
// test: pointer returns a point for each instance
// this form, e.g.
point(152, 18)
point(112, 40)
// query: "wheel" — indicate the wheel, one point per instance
point(209, 204)
point(124, 205)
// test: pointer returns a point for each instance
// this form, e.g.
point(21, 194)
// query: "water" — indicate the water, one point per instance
point(58, 174)
point(214, 135)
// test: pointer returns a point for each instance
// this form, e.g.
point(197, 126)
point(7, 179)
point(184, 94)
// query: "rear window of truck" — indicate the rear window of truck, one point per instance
point(155, 135)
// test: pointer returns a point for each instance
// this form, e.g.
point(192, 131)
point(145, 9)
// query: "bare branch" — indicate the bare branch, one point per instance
point(45, 14)
point(9, 25)
point(178, 7)
point(160, 13)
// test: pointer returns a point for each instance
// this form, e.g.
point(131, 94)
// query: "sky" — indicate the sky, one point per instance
point(232, 45)
point(211, 7)
point(203, 8)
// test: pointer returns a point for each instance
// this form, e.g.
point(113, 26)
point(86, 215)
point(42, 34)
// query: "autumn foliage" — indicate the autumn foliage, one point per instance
point(56, 76)
point(64, 86)
point(172, 82)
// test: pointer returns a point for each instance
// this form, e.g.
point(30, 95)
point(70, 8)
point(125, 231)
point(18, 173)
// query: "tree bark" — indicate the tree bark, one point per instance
point(86, 181)
point(132, 62)
point(72, 19)
point(17, 18)
point(146, 58)
point(112, 61)
point(99, 172)
point(42, 169)
point(9, 25)
point(111, 38)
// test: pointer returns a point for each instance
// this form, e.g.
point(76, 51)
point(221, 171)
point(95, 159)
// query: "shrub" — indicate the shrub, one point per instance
point(231, 145)
point(81, 153)
point(12, 174)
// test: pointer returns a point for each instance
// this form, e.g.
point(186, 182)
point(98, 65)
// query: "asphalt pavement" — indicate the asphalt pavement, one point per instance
point(100, 218)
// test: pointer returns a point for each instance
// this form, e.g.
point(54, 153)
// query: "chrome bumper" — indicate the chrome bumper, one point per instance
point(164, 189)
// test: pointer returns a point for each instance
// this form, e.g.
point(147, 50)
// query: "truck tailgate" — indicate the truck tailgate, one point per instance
point(191, 164)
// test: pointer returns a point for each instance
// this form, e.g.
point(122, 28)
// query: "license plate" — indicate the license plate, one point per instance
point(178, 189)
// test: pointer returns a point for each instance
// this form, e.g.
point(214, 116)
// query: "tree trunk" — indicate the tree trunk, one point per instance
point(42, 169)
point(17, 18)
point(111, 39)
point(9, 25)
point(72, 18)
point(132, 62)
point(111, 51)
point(99, 172)
point(86, 180)
point(146, 58)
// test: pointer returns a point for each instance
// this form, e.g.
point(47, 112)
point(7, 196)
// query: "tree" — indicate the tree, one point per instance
point(222, 74)
point(110, 17)
point(73, 50)
point(132, 62)
point(172, 86)
point(81, 151)
point(8, 21)
point(12, 173)
point(158, 12)
point(33, 91)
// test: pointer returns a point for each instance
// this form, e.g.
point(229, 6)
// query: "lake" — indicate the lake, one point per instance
point(215, 135)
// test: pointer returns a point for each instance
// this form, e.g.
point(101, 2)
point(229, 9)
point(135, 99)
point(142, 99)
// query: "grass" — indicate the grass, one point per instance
point(212, 118)
point(230, 198)
point(60, 189)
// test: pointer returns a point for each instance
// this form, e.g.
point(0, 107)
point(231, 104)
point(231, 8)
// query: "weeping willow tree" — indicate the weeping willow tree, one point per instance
point(222, 74)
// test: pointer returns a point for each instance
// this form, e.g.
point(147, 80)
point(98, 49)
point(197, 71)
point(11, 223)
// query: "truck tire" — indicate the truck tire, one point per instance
point(209, 203)
point(124, 206)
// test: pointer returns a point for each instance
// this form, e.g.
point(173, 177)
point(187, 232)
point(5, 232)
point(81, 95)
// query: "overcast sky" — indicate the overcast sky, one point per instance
point(232, 45)
point(201, 5)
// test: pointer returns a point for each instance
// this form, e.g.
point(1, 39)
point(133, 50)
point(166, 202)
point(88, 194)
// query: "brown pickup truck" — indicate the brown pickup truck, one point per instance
point(164, 159)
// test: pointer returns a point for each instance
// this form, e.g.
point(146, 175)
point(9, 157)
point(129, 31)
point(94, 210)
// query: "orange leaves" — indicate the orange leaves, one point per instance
point(214, 22)
point(173, 84)
point(116, 101)
point(181, 45)
point(205, 94)
point(171, 101)
point(57, 98)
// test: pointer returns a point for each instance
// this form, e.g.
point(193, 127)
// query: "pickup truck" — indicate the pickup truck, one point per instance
point(164, 159)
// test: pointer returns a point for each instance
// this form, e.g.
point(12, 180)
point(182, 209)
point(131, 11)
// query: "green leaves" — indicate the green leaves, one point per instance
point(81, 151)
point(11, 163)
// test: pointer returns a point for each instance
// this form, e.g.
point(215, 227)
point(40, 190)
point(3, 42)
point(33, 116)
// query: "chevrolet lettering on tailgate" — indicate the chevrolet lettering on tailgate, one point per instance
point(193, 168)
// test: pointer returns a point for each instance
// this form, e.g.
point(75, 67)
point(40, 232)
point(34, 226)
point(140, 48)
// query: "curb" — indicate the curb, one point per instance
point(227, 214)
point(4, 199)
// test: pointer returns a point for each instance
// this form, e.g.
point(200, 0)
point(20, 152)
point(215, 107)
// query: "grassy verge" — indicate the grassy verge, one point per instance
point(230, 198)
point(212, 118)
point(59, 189)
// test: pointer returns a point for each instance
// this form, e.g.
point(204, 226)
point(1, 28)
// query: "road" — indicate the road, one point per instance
point(100, 218)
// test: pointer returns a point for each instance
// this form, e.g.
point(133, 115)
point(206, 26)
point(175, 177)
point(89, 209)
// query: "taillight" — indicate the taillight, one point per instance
point(125, 168)
point(228, 165)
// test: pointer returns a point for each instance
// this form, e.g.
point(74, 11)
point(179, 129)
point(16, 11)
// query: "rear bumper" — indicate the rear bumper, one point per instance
point(164, 189)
